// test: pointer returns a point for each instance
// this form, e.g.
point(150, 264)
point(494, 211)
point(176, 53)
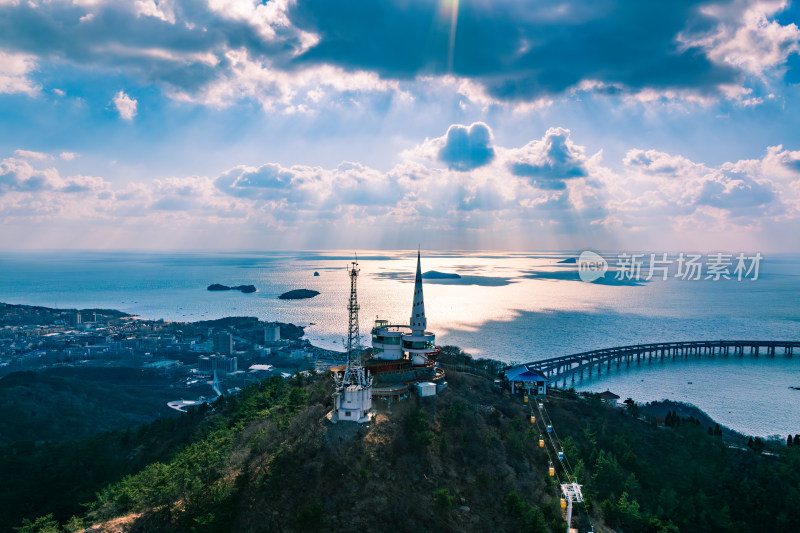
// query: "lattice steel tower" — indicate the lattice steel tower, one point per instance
point(354, 370)
point(352, 399)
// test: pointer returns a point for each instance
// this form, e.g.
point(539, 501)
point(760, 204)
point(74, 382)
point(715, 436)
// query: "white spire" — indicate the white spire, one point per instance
point(418, 321)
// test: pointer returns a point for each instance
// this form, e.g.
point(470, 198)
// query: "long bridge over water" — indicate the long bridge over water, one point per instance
point(576, 365)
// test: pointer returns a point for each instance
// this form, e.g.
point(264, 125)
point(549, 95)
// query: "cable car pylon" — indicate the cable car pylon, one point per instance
point(570, 491)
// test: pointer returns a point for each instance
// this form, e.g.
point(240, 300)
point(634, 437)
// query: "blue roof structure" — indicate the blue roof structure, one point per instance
point(525, 373)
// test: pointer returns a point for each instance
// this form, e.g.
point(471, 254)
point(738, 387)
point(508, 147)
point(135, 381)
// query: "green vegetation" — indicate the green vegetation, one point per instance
point(266, 460)
point(68, 404)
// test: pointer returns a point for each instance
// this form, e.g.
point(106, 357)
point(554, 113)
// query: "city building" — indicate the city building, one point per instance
point(219, 363)
point(272, 333)
point(223, 343)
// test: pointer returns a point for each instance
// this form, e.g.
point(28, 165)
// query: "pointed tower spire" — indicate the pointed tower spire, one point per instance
point(418, 321)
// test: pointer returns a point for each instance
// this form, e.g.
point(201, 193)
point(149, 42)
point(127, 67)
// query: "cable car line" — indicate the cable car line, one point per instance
point(545, 421)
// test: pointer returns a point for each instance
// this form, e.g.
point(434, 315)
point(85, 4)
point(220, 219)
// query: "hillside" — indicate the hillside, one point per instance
point(465, 461)
point(74, 403)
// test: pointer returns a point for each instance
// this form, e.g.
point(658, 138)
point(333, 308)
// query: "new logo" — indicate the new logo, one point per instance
point(591, 266)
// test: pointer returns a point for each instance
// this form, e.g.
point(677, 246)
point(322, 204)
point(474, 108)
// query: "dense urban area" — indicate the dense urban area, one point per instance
point(239, 350)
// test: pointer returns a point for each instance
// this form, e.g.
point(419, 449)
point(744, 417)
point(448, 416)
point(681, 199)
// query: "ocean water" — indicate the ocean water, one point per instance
point(507, 306)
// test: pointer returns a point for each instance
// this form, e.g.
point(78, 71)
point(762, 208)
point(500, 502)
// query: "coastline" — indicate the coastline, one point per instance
point(42, 316)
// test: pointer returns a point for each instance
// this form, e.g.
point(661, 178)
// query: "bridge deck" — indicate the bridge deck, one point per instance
point(569, 365)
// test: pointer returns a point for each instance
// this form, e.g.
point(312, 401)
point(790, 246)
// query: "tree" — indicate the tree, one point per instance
point(758, 445)
point(444, 500)
point(631, 406)
point(789, 440)
point(43, 524)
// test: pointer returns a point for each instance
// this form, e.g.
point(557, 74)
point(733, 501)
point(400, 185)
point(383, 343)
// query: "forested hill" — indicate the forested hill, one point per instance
point(69, 403)
point(468, 460)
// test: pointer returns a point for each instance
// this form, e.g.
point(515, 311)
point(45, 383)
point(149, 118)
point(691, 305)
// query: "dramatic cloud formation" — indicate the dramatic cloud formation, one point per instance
point(519, 51)
point(512, 51)
point(480, 124)
point(512, 194)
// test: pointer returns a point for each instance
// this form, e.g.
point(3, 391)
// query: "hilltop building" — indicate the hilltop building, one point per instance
point(404, 355)
point(402, 359)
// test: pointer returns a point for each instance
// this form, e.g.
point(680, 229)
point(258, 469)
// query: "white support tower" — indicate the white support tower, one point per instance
point(419, 342)
point(352, 399)
point(572, 493)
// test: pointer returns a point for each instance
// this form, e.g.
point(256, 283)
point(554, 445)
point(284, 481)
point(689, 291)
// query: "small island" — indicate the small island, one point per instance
point(244, 288)
point(432, 274)
point(569, 260)
point(316, 273)
point(298, 294)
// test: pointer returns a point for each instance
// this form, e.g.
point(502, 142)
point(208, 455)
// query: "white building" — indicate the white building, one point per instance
point(352, 404)
point(393, 342)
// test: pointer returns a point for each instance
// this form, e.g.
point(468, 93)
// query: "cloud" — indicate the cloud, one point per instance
point(518, 51)
point(550, 161)
point(14, 71)
point(245, 181)
point(27, 154)
point(19, 176)
point(658, 163)
point(280, 53)
point(466, 148)
point(560, 196)
point(734, 191)
point(658, 189)
point(746, 38)
point(126, 106)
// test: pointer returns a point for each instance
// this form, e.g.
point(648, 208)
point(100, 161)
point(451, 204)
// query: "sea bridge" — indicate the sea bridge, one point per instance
point(576, 365)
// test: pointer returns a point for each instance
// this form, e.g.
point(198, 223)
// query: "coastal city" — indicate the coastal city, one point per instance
point(297, 266)
point(238, 350)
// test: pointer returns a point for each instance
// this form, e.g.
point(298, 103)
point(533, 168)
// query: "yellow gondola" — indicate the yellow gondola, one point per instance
point(525, 398)
point(563, 503)
point(541, 443)
point(551, 470)
point(533, 419)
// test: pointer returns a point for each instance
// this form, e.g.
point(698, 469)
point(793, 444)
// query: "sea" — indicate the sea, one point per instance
point(513, 307)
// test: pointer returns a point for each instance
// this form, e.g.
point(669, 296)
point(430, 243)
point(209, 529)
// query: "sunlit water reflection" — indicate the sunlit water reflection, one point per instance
point(511, 307)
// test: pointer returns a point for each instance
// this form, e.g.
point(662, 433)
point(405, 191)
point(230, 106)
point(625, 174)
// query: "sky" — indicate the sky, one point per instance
point(666, 125)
